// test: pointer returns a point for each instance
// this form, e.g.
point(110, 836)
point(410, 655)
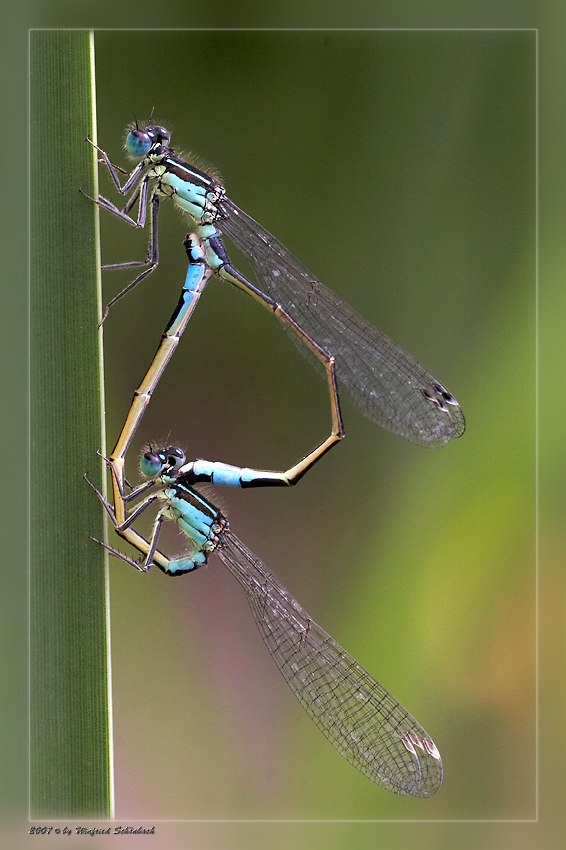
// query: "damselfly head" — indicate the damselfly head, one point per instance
point(140, 140)
point(163, 461)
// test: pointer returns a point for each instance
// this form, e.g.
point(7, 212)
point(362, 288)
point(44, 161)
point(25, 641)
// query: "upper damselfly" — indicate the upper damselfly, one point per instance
point(360, 718)
point(388, 385)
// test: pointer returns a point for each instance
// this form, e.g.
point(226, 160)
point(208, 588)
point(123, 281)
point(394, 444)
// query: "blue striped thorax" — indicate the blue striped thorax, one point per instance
point(192, 189)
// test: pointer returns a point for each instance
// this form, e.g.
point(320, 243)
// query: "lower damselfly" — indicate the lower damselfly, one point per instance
point(360, 718)
point(388, 385)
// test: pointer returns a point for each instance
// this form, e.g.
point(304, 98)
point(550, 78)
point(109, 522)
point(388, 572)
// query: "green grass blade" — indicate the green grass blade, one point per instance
point(70, 761)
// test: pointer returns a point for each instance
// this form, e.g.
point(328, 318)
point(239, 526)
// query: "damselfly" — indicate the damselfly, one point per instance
point(388, 385)
point(198, 275)
point(360, 718)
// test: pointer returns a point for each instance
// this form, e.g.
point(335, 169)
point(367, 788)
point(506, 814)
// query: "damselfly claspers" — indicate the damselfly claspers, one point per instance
point(198, 275)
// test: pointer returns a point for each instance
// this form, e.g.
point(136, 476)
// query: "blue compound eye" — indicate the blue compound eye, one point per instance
point(153, 463)
point(138, 142)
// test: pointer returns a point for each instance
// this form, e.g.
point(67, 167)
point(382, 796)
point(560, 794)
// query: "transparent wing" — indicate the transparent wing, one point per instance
point(389, 386)
point(360, 718)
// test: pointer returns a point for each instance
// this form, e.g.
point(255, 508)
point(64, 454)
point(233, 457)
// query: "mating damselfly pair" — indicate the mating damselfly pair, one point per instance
point(355, 712)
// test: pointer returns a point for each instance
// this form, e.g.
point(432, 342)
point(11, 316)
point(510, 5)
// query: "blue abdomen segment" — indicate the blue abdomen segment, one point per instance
point(190, 291)
point(226, 475)
point(218, 473)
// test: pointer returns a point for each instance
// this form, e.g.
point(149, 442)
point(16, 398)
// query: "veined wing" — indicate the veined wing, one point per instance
point(360, 718)
point(388, 385)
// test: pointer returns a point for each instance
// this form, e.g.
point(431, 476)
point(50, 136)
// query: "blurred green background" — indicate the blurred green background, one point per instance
point(400, 167)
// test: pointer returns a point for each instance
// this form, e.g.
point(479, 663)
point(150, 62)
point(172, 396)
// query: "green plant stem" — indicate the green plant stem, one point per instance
point(70, 761)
